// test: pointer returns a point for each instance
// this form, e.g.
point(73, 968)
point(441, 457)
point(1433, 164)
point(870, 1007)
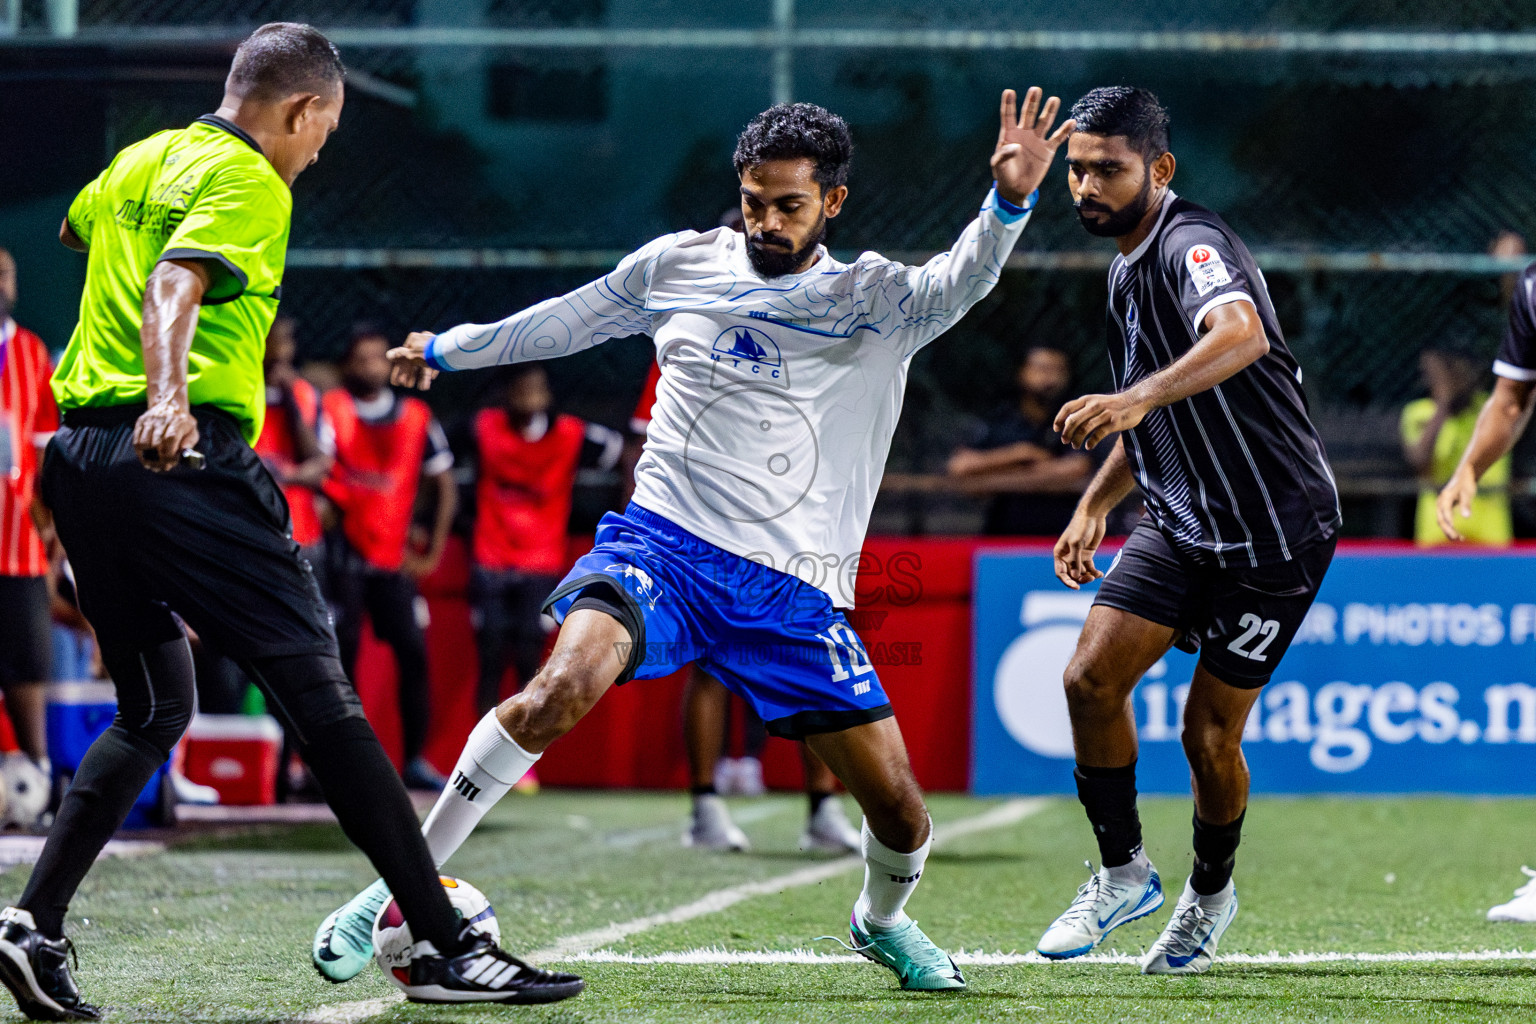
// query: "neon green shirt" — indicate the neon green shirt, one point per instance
point(1490, 520)
point(205, 192)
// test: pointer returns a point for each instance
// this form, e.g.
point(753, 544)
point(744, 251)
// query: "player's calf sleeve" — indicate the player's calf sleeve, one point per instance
point(113, 772)
point(889, 879)
point(375, 812)
point(490, 765)
point(1215, 854)
point(1109, 797)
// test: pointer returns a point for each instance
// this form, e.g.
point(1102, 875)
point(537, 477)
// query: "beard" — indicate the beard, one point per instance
point(775, 255)
point(1116, 222)
point(5, 307)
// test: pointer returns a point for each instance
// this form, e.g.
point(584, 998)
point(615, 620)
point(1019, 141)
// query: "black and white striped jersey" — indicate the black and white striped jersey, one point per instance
point(1517, 355)
point(1234, 476)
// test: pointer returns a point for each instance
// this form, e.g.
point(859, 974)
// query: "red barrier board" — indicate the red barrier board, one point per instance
point(913, 614)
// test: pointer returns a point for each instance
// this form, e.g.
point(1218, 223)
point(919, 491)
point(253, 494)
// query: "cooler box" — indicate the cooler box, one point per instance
point(236, 755)
point(79, 712)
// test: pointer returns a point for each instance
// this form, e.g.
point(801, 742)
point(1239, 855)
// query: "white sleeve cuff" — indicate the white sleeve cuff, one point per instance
point(1513, 372)
point(1220, 300)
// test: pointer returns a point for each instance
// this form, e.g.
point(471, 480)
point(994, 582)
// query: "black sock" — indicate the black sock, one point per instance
point(706, 790)
point(371, 804)
point(112, 774)
point(1109, 797)
point(1215, 853)
point(816, 798)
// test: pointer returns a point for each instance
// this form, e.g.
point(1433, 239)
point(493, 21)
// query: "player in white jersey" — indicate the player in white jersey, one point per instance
point(782, 374)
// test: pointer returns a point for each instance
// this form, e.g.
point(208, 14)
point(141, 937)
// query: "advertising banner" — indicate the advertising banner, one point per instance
point(1412, 673)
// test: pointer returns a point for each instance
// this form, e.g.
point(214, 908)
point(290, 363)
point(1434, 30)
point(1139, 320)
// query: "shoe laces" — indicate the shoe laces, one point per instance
point(1529, 887)
point(1087, 897)
point(356, 929)
point(921, 952)
point(1184, 928)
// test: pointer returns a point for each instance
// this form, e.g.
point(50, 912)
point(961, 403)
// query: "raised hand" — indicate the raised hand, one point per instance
point(1024, 150)
point(408, 365)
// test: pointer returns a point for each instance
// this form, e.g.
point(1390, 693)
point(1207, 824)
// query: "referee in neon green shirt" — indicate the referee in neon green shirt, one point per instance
point(165, 510)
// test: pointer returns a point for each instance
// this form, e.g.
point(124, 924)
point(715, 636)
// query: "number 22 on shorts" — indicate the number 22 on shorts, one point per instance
point(1254, 628)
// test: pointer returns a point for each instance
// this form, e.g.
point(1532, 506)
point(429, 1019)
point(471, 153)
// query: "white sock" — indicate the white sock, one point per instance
point(490, 765)
point(889, 879)
point(1134, 873)
point(1215, 901)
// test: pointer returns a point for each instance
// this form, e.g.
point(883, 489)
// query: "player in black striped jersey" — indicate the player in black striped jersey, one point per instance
point(1242, 518)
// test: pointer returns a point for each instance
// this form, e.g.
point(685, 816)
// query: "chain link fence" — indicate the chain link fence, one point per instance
point(1307, 155)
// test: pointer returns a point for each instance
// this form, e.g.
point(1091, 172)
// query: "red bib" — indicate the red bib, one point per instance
point(276, 446)
point(378, 469)
point(523, 499)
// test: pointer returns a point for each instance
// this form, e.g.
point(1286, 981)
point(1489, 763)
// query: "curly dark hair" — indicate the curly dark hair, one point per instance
point(1122, 110)
point(789, 131)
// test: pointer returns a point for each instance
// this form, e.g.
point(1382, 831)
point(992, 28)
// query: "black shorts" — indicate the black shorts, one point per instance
point(26, 642)
point(213, 545)
point(1240, 620)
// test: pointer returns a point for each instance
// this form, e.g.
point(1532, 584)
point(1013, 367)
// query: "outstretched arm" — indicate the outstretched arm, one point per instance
point(1499, 426)
point(613, 306)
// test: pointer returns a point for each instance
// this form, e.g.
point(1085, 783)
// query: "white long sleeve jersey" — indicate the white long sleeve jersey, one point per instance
point(778, 396)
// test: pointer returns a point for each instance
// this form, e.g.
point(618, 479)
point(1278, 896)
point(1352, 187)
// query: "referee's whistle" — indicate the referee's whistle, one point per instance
point(191, 456)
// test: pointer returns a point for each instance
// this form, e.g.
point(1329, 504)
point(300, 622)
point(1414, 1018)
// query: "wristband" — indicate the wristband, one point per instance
point(1010, 211)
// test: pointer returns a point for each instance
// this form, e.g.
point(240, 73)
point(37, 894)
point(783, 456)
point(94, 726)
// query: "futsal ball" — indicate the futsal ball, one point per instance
point(393, 946)
point(26, 790)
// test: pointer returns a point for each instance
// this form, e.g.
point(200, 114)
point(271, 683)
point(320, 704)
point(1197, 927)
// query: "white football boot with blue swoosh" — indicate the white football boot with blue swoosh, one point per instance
point(1188, 944)
point(1102, 905)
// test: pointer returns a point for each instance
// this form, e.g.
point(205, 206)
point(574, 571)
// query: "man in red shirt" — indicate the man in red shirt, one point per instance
point(28, 418)
point(528, 459)
point(383, 445)
point(290, 436)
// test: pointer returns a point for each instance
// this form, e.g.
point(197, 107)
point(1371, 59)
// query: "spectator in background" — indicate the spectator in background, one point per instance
point(383, 445)
point(1436, 431)
point(28, 418)
point(1019, 449)
point(290, 436)
point(528, 457)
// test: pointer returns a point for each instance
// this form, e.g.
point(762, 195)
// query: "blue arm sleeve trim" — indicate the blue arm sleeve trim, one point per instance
point(430, 356)
point(1008, 212)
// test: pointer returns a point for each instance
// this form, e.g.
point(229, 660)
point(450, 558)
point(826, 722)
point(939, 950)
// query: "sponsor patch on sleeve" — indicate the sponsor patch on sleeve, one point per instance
point(1206, 269)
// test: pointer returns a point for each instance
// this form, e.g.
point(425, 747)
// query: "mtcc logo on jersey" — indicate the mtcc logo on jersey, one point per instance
point(751, 353)
point(1027, 689)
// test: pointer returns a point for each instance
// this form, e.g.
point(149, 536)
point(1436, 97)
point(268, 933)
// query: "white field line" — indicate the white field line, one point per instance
point(979, 959)
point(998, 817)
point(349, 1013)
point(636, 837)
point(581, 944)
point(352, 1013)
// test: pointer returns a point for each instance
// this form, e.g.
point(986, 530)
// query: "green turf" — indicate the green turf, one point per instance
point(218, 929)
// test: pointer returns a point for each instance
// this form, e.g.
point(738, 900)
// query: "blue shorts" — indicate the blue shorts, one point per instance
point(771, 638)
